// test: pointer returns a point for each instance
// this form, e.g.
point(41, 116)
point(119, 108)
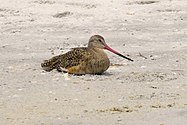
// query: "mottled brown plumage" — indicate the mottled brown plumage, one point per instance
point(83, 60)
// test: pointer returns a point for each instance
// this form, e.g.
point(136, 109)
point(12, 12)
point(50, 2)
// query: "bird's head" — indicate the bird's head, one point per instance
point(98, 41)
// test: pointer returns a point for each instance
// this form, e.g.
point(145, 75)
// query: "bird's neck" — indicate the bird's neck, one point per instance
point(96, 50)
point(90, 45)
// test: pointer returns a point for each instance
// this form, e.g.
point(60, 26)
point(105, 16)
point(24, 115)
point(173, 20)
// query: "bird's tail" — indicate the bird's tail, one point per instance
point(50, 64)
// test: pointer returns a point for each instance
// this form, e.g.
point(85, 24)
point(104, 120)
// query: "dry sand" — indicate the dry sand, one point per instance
point(150, 91)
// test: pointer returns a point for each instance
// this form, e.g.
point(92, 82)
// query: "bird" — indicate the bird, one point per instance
point(83, 60)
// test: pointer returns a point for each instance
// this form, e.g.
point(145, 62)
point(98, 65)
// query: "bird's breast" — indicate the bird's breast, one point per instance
point(99, 62)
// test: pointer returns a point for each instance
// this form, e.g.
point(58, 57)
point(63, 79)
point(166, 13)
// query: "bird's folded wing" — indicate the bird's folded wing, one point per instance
point(74, 57)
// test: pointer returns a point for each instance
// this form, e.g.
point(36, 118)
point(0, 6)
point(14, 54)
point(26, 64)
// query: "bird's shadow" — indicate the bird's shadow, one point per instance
point(106, 74)
point(98, 74)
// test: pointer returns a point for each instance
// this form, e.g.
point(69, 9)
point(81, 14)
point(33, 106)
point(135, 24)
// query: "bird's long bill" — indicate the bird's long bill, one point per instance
point(115, 52)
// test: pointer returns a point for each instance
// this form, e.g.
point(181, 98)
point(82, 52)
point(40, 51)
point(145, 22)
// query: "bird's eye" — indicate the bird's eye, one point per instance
point(100, 40)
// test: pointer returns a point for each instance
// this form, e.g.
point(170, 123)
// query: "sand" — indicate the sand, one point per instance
point(152, 90)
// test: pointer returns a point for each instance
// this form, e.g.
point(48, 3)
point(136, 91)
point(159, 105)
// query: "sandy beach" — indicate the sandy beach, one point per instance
point(152, 90)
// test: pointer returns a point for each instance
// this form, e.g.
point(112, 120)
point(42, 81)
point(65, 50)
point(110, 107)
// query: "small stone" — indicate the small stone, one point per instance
point(85, 111)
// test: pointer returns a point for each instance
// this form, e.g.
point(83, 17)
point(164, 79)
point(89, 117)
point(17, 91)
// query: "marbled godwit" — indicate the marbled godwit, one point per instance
point(84, 60)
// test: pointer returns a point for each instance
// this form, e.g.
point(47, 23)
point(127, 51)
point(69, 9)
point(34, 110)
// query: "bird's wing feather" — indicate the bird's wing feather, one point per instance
point(74, 57)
